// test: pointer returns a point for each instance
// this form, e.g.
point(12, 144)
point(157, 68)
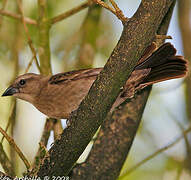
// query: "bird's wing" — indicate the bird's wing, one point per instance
point(74, 75)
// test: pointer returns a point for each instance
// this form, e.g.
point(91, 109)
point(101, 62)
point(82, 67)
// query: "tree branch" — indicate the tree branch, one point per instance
point(116, 11)
point(5, 162)
point(43, 142)
point(44, 44)
point(5, 176)
point(137, 34)
point(70, 12)
point(28, 35)
point(88, 48)
point(12, 109)
point(18, 16)
point(113, 141)
point(4, 3)
point(15, 52)
point(16, 148)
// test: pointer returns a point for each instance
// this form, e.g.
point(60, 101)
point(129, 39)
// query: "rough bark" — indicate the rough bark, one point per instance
point(113, 142)
point(138, 32)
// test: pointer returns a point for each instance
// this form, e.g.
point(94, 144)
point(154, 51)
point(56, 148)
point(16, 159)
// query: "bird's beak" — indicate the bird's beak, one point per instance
point(10, 91)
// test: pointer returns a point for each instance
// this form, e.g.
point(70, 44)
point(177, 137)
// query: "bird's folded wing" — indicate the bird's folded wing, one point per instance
point(74, 75)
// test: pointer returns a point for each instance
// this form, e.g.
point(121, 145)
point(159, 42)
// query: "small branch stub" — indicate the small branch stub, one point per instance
point(163, 37)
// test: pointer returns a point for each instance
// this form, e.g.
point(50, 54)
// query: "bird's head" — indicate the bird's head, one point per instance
point(26, 87)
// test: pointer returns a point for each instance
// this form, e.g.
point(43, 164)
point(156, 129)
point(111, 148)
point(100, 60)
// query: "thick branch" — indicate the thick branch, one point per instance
point(138, 32)
point(114, 141)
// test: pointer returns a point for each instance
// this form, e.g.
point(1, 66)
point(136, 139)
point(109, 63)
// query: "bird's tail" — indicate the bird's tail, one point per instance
point(163, 65)
point(155, 67)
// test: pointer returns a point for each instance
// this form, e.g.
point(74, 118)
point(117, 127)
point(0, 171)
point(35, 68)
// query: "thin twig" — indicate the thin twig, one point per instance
point(10, 118)
point(4, 3)
point(42, 153)
point(5, 162)
point(155, 153)
point(15, 51)
point(104, 5)
point(70, 12)
point(28, 35)
point(43, 143)
point(29, 64)
point(181, 128)
point(5, 176)
point(16, 148)
point(18, 16)
point(116, 11)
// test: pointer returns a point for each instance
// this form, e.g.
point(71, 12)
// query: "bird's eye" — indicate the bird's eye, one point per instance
point(22, 82)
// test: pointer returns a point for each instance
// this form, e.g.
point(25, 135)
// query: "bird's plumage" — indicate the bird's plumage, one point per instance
point(58, 95)
point(74, 75)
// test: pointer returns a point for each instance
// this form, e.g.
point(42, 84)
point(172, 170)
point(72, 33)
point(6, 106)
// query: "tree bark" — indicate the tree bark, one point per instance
point(114, 141)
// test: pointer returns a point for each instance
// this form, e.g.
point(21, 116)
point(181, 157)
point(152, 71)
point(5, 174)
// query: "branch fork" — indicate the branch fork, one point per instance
point(115, 10)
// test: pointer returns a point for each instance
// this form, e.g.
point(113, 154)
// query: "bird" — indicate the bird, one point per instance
point(57, 96)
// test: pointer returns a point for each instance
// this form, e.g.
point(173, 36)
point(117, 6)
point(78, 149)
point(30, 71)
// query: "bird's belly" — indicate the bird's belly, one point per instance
point(60, 102)
point(62, 109)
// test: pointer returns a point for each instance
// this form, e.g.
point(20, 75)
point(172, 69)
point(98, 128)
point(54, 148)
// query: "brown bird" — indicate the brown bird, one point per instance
point(58, 95)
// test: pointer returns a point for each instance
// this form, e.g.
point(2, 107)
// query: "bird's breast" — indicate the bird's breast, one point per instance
point(59, 100)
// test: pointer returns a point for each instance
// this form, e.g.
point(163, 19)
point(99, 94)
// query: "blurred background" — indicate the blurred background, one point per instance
point(86, 39)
